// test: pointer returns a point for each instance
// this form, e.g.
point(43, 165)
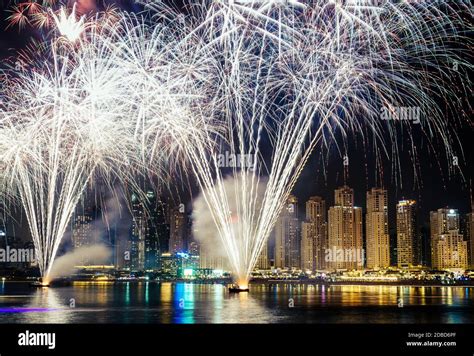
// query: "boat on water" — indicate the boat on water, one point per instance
point(237, 289)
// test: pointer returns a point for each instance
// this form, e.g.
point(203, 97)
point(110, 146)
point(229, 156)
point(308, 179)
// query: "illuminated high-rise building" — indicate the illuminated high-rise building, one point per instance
point(308, 231)
point(314, 235)
point(138, 233)
point(178, 230)
point(345, 245)
point(451, 251)
point(159, 231)
point(408, 251)
point(377, 237)
point(344, 196)
point(263, 261)
point(150, 232)
point(82, 228)
point(442, 221)
point(287, 236)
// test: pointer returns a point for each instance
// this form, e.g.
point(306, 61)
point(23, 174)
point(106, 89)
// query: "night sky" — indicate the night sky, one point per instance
point(436, 187)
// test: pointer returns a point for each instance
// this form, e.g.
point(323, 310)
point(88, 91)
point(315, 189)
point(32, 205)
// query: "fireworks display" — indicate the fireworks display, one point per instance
point(102, 104)
point(266, 81)
point(289, 75)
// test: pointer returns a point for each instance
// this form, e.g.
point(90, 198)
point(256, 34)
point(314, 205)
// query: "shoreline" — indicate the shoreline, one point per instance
point(60, 283)
point(470, 284)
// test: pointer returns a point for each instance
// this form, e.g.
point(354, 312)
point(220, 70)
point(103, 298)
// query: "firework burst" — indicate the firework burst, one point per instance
point(75, 119)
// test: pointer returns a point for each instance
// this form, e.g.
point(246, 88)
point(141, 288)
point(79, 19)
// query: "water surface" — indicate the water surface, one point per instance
point(211, 303)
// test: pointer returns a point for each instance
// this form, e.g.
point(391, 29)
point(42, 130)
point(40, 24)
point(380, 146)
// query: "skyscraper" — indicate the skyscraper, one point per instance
point(446, 248)
point(263, 261)
point(178, 230)
point(451, 251)
point(308, 232)
point(138, 232)
point(345, 245)
point(150, 231)
point(314, 235)
point(287, 236)
point(158, 239)
point(83, 233)
point(408, 252)
point(82, 228)
point(444, 220)
point(377, 237)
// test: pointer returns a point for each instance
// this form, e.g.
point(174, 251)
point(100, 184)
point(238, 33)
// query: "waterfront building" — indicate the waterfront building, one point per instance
point(150, 231)
point(408, 249)
point(452, 251)
point(287, 236)
point(263, 261)
point(345, 245)
point(377, 237)
point(178, 229)
point(442, 222)
point(87, 229)
point(314, 235)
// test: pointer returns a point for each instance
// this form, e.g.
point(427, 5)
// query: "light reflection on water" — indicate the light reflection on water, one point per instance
point(211, 303)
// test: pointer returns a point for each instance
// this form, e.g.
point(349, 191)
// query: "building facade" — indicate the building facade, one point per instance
point(150, 232)
point(263, 261)
point(287, 236)
point(178, 229)
point(314, 235)
point(377, 237)
point(452, 251)
point(408, 252)
point(345, 244)
point(442, 222)
point(84, 231)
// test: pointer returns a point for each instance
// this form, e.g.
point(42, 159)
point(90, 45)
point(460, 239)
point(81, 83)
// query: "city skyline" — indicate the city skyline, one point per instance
point(303, 238)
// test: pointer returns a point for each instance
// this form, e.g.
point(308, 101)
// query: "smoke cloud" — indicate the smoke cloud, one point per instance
point(66, 264)
point(205, 231)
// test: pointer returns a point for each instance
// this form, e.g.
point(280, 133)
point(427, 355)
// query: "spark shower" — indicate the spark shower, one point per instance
point(267, 80)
